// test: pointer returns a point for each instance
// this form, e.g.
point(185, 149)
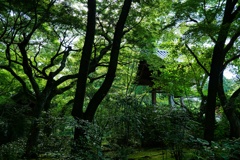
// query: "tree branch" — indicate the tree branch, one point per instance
point(58, 53)
point(95, 62)
point(18, 78)
point(96, 78)
point(230, 60)
point(104, 34)
point(65, 78)
point(27, 69)
point(231, 42)
point(63, 62)
point(63, 89)
point(107, 83)
point(196, 58)
point(77, 110)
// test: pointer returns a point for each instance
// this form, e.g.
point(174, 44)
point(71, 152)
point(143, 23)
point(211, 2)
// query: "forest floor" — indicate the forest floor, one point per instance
point(153, 154)
point(159, 154)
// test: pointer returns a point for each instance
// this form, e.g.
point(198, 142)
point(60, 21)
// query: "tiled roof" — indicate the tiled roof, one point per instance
point(161, 53)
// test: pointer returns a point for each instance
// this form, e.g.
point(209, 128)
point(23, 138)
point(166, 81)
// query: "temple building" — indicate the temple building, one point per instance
point(144, 75)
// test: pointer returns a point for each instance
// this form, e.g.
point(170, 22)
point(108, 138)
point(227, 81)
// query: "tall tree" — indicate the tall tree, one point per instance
point(34, 50)
point(78, 107)
point(221, 48)
point(211, 23)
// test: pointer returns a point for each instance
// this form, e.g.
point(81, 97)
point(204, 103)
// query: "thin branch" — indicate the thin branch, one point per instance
point(231, 42)
point(134, 26)
point(8, 55)
point(193, 20)
point(51, 64)
point(5, 28)
point(96, 78)
point(104, 34)
point(35, 56)
point(20, 80)
point(44, 75)
point(173, 23)
point(63, 62)
point(95, 62)
point(63, 89)
point(231, 59)
point(196, 58)
point(65, 78)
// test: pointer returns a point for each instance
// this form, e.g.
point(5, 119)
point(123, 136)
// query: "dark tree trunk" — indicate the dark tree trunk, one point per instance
point(80, 139)
point(107, 83)
point(217, 64)
point(32, 140)
point(30, 67)
point(42, 102)
point(209, 123)
point(33, 133)
point(229, 110)
point(233, 121)
point(77, 110)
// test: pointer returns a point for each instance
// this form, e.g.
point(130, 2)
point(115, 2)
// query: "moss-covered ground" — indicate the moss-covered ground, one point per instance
point(153, 154)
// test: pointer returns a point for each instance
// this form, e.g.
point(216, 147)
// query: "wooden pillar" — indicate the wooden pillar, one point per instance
point(154, 97)
point(171, 101)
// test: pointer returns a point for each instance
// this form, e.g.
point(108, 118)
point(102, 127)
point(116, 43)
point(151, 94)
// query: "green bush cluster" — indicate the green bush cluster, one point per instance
point(12, 150)
point(121, 126)
point(227, 149)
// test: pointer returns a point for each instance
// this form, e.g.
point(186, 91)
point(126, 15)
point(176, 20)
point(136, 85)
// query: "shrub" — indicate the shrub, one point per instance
point(222, 150)
point(12, 150)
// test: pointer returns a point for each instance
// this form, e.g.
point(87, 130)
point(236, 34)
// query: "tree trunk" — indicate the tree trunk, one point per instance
point(32, 140)
point(33, 133)
point(209, 124)
point(107, 83)
point(85, 62)
point(43, 101)
point(229, 110)
point(234, 122)
point(218, 57)
point(77, 110)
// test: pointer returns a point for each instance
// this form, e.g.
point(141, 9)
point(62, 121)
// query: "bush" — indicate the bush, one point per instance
point(13, 150)
point(14, 123)
point(89, 146)
point(222, 128)
point(222, 150)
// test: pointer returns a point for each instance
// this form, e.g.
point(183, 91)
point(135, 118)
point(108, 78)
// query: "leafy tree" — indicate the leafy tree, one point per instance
point(35, 49)
point(210, 34)
point(39, 53)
